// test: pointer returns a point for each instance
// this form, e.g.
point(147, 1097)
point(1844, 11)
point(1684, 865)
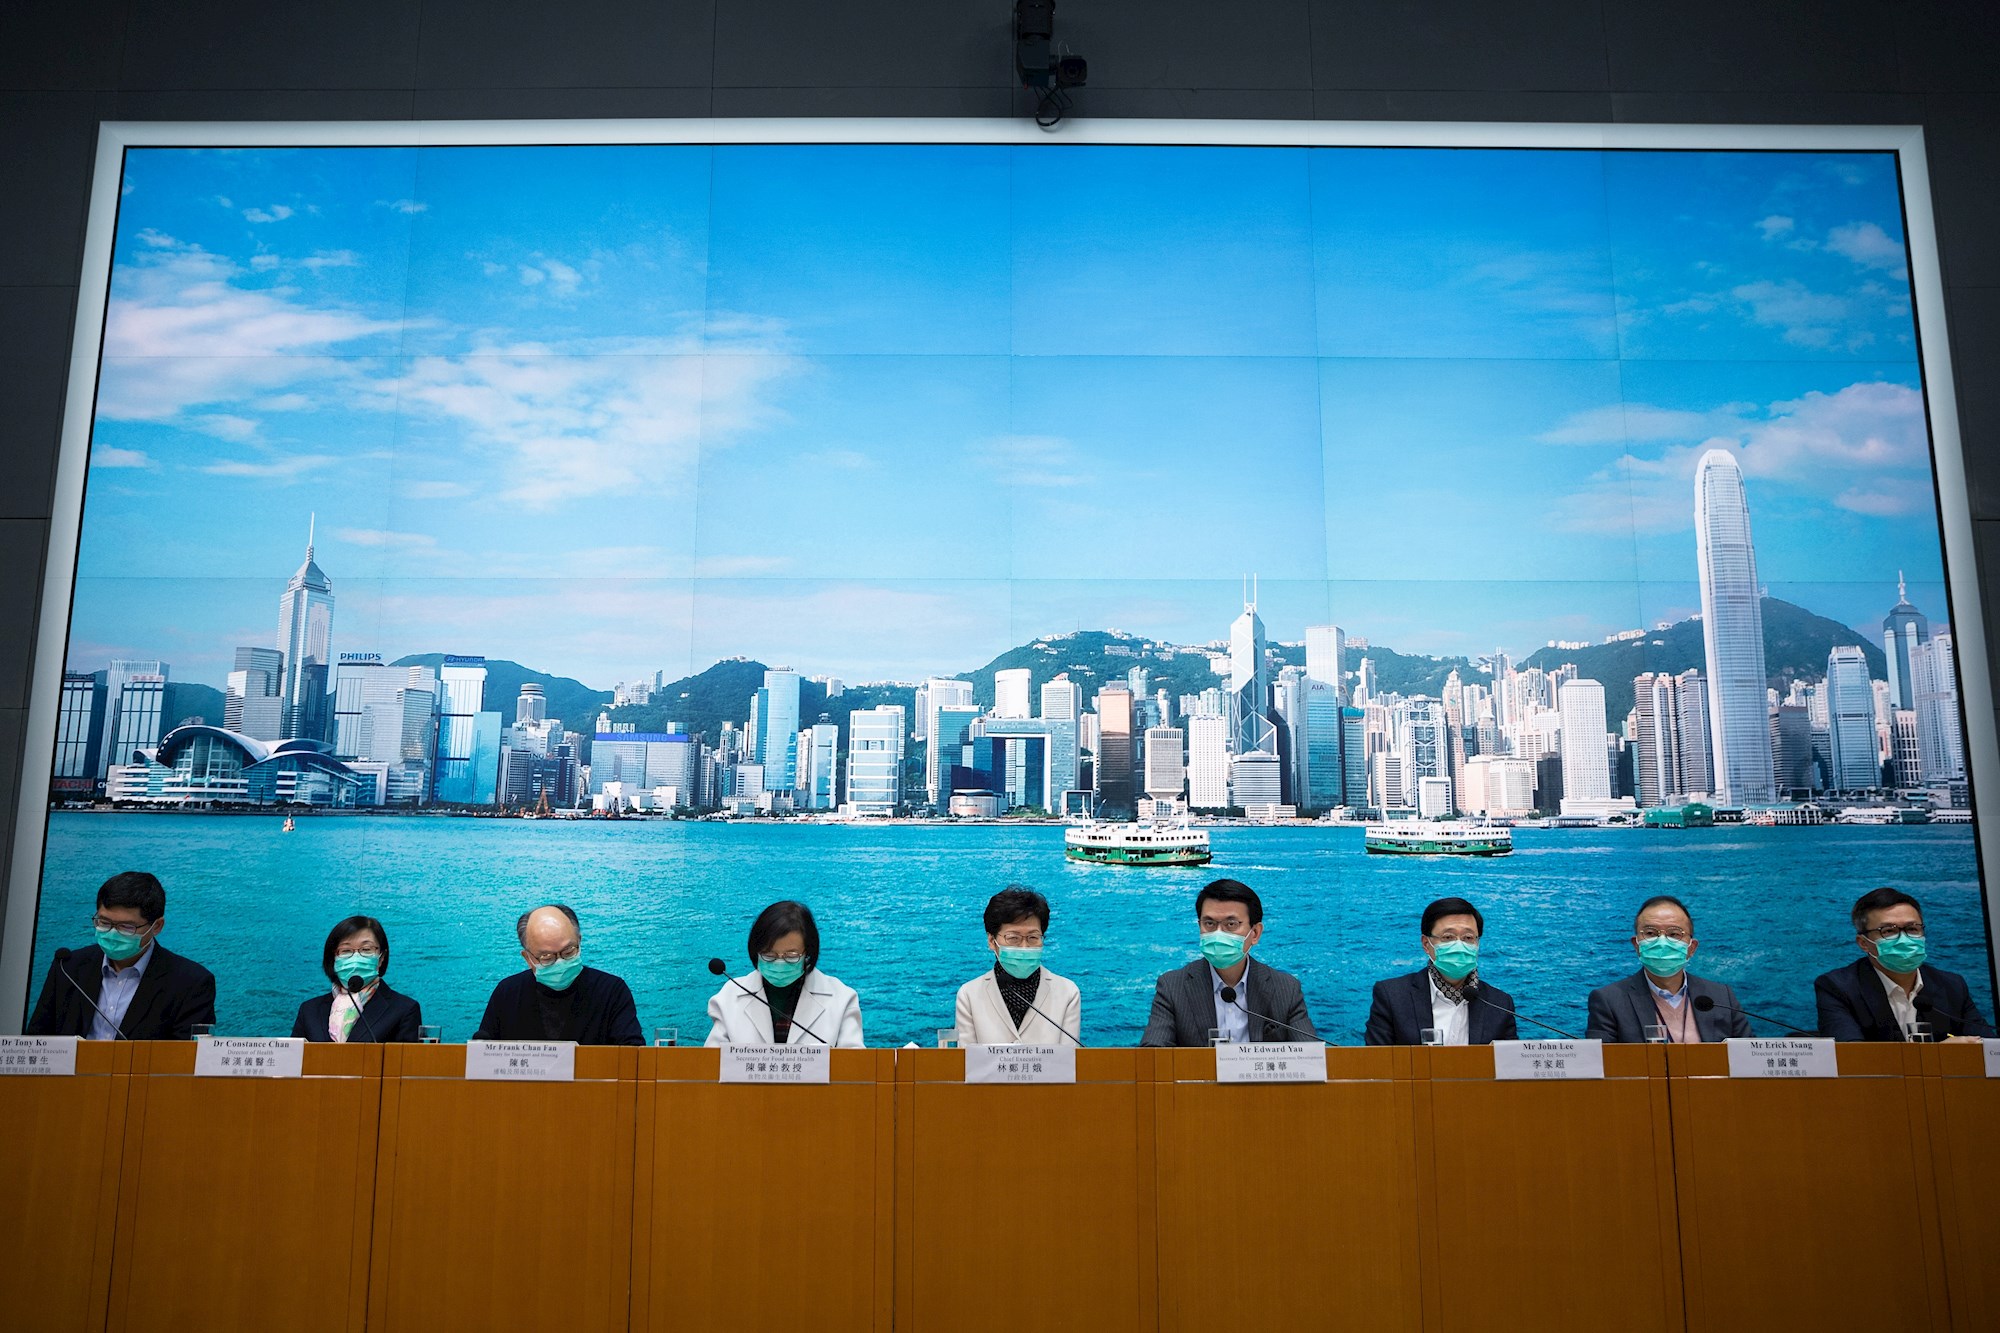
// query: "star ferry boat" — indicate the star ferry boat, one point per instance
point(1415, 837)
point(1136, 844)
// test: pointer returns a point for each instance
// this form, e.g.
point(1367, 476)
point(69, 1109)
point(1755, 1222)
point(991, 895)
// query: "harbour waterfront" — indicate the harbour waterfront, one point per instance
point(899, 908)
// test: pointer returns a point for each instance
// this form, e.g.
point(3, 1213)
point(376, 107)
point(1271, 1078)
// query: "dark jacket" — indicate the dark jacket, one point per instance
point(1622, 1011)
point(1854, 1007)
point(1401, 1010)
point(175, 993)
point(596, 1010)
point(388, 1016)
point(1184, 1006)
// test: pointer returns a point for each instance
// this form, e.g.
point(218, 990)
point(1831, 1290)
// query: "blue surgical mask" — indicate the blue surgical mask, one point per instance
point(1020, 963)
point(1222, 949)
point(348, 966)
point(1662, 955)
point(1456, 959)
point(559, 974)
point(780, 973)
point(119, 947)
point(1901, 953)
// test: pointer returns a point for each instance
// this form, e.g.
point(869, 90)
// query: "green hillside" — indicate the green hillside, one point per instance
point(574, 702)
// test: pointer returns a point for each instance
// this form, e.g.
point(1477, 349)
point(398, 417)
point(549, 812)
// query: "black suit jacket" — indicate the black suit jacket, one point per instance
point(1854, 1007)
point(1622, 1011)
point(598, 1006)
point(175, 993)
point(1184, 1006)
point(388, 1016)
point(1401, 1010)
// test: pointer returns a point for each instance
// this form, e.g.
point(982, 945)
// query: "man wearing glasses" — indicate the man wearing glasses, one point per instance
point(1658, 1002)
point(1017, 1000)
point(558, 998)
point(1225, 995)
point(1891, 993)
point(126, 985)
point(1445, 1004)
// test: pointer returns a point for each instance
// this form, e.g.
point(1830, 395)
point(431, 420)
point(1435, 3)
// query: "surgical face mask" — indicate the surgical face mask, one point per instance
point(118, 946)
point(1020, 963)
point(1456, 959)
point(348, 966)
point(1663, 955)
point(1222, 949)
point(1901, 953)
point(559, 974)
point(781, 972)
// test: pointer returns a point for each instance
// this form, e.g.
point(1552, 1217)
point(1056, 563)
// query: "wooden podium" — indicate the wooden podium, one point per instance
point(1962, 1106)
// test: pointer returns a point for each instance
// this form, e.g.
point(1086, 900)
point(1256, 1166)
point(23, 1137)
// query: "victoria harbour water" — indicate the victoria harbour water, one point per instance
point(899, 908)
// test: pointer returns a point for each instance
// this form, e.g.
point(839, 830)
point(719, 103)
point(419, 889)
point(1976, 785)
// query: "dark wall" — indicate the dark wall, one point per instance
point(67, 64)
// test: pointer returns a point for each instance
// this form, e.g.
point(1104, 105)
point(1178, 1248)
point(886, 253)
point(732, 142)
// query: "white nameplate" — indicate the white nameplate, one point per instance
point(1020, 1064)
point(57, 1055)
point(521, 1061)
point(1782, 1057)
point(1270, 1062)
point(249, 1057)
point(1992, 1056)
point(777, 1064)
point(1549, 1059)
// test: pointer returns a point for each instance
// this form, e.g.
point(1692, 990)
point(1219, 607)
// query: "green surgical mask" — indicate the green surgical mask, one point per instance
point(118, 946)
point(1020, 963)
point(559, 974)
point(781, 973)
point(1222, 949)
point(1901, 953)
point(1456, 959)
point(348, 966)
point(1663, 955)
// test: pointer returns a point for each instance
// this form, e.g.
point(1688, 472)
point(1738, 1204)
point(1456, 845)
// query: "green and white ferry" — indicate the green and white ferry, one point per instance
point(1416, 837)
point(1136, 844)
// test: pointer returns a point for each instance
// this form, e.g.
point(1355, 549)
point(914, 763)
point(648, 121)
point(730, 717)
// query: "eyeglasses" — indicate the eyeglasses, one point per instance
point(1880, 933)
point(788, 956)
point(544, 959)
point(1669, 933)
point(122, 927)
point(1235, 925)
point(357, 951)
point(1018, 940)
point(1455, 937)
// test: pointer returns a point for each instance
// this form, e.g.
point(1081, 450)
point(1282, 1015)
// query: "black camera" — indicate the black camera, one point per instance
point(1042, 70)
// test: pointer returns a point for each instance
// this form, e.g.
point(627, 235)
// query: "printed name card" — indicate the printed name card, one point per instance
point(1992, 1056)
point(1020, 1064)
point(1782, 1057)
point(249, 1057)
point(57, 1055)
point(1270, 1062)
point(777, 1064)
point(1548, 1059)
point(521, 1061)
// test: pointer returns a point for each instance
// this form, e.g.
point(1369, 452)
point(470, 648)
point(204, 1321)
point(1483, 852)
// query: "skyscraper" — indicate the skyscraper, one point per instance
point(1324, 786)
point(455, 777)
point(875, 760)
point(305, 637)
point(1851, 721)
point(938, 694)
point(122, 671)
point(1011, 693)
point(1732, 628)
point(776, 718)
point(1903, 630)
point(1208, 761)
point(531, 705)
point(1586, 766)
point(254, 702)
point(80, 735)
point(1940, 736)
point(1166, 775)
point(1060, 702)
point(1249, 686)
point(1658, 737)
point(1116, 780)
point(1326, 645)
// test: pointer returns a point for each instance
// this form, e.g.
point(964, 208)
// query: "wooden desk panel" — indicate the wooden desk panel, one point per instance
point(60, 1156)
point(760, 1206)
point(1547, 1205)
point(246, 1201)
point(1803, 1199)
point(503, 1206)
point(1964, 1113)
point(1020, 1206)
point(1322, 1175)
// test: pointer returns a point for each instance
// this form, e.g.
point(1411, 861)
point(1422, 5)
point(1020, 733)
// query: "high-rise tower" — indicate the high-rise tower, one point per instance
point(1732, 629)
point(305, 636)
point(1903, 629)
point(1249, 685)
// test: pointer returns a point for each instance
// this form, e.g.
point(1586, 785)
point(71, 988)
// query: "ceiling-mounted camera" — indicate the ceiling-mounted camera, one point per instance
point(1045, 70)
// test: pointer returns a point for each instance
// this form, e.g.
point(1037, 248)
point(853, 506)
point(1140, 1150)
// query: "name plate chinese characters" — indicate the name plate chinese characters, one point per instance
point(1020, 1064)
point(249, 1057)
point(57, 1055)
point(1548, 1059)
point(1782, 1057)
point(776, 1064)
point(1270, 1062)
point(521, 1061)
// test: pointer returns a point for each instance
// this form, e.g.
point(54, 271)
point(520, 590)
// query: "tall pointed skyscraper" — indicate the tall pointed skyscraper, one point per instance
point(305, 635)
point(1249, 685)
point(1732, 629)
point(1903, 629)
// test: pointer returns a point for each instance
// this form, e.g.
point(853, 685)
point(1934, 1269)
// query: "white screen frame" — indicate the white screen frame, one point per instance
point(24, 874)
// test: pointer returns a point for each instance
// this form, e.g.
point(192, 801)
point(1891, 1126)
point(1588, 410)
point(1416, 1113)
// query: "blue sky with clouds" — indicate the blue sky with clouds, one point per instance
point(887, 410)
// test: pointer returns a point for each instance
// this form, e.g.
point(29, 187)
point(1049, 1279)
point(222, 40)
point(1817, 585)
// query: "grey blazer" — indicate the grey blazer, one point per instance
point(1184, 1006)
point(1622, 1011)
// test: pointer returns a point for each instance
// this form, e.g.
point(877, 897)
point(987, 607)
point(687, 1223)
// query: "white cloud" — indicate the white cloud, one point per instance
point(223, 199)
point(331, 259)
point(224, 426)
point(159, 240)
point(1620, 422)
point(284, 402)
point(120, 458)
point(1808, 318)
point(378, 537)
point(531, 276)
point(402, 205)
point(265, 261)
point(1775, 226)
point(1867, 245)
point(278, 469)
point(275, 213)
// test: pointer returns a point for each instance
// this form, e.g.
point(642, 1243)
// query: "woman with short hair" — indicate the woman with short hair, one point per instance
point(784, 1000)
point(359, 1006)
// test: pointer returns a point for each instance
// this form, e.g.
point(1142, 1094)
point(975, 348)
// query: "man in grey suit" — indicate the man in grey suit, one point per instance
point(1225, 991)
point(1662, 994)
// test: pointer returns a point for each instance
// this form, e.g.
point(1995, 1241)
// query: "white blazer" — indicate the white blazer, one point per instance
point(983, 1019)
point(827, 1006)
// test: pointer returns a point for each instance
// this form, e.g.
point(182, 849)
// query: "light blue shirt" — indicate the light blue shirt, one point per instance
point(1231, 1018)
point(115, 996)
point(1673, 998)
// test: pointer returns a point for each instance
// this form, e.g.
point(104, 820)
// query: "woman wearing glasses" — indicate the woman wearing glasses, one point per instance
point(359, 1006)
point(785, 1000)
point(1017, 1000)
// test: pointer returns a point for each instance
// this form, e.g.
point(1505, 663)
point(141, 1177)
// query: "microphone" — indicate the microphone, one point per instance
point(62, 966)
point(1472, 993)
point(1229, 997)
point(1926, 1006)
point(1057, 1026)
point(1704, 1003)
point(355, 985)
point(721, 969)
